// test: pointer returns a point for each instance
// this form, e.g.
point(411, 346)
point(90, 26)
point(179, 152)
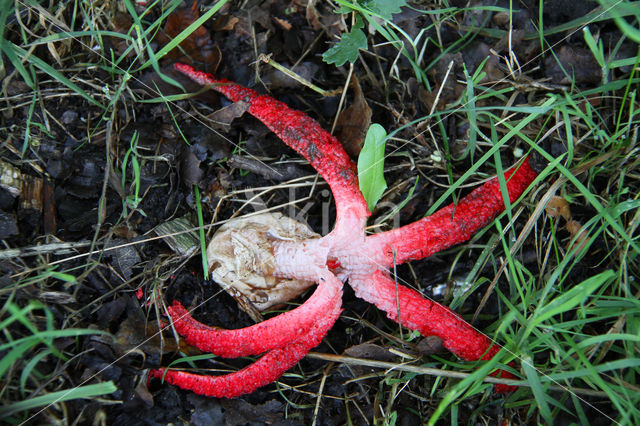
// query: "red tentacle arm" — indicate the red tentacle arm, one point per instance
point(302, 133)
point(262, 372)
point(429, 318)
point(270, 366)
point(450, 225)
point(273, 333)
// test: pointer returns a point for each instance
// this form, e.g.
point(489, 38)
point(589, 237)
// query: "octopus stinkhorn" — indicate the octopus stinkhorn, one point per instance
point(354, 257)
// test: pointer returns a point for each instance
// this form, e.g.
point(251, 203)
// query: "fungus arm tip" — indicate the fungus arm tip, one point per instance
point(452, 224)
point(302, 133)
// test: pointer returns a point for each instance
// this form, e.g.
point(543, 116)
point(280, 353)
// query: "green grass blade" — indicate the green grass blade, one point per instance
point(48, 69)
point(539, 392)
point(185, 33)
point(203, 241)
point(570, 299)
point(515, 130)
point(84, 392)
point(15, 354)
point(30, 366)
point(55, 334)
point(74, 35)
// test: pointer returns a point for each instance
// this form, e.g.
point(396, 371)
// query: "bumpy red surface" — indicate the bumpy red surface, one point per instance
point(430, 319)
point(302, 133)
point(262, 372)
point(452, 224)
point(273, 333)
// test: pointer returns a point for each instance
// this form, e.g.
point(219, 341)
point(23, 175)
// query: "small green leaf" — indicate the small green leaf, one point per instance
point(371, 165)
point(385, 8)
point(347, 48)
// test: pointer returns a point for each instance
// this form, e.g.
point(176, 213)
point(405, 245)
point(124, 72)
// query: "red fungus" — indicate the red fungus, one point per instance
point(452, 224)
point(302, 133)
point(429, 318)
point(273, 333)
point(362, 260)
point(270, 366)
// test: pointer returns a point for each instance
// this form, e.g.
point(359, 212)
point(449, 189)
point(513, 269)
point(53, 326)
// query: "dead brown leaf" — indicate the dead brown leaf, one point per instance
point(353, 122)
point(225, 23)
point(121, 24)
point(197, 49)
point(312, 15)
point(558, 206)
point(137, 334)
point(572, 65)
point(476, 55)
point(222, 118)
point(430, 345)
point(49, 207)
point(191, 172)
point(370, 351)
point(283, 23)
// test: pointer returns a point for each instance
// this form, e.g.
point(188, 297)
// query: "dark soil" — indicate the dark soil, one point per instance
point(121, 286)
